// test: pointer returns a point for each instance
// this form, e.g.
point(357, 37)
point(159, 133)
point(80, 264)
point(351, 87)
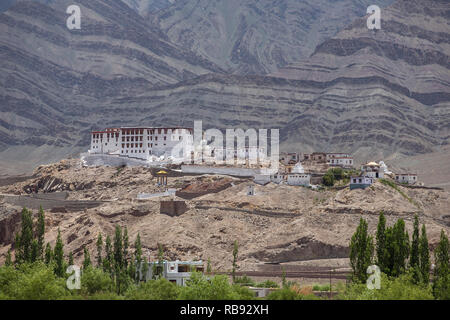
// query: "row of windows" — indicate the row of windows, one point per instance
point(137, 145)
point(149, 131)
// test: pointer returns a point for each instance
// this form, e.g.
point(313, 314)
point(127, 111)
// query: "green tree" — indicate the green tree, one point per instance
point(160, 289)
point(235, 257)
point(160, 259)
point(424, 257)
point(414, 260)
point(138, 256)
point(59, 256)
point(208, 267)
point(95, 281)
point(48, 254)
point(361, 251)
point(328, 179)
point(40, 231)
point(118, 250)
point(397, 249)
point(8, 261)
point(34, 251)
point(381, 242)
point(87, 259)
point(99, 250)
point(108, 261)
point(71, 263)
point(125, 247)
point(441, 283)
point(26, 237)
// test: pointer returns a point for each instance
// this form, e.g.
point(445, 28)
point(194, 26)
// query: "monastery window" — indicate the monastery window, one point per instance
point(142, 131)
point(140, 145)
point(159, 131)
point(165, 138)
point(156, 138)
point(141, 138)
point(165, 131)
point(128, 145)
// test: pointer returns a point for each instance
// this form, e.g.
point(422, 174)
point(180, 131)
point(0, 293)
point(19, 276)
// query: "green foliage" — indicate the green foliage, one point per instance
point(235, 257)
point(71, 263)
point(160, 289)
point(287, 293)
point(441, 283)
point(397, 249)
point(87, 259)
point(400, 288)
point(95, 281)
point(381, 242)
point(267, 284)
point(31, 282)
point(8, 261)
point(48, 254)
point(58, 256)
point(414, 260)
point(200, 287)
point(99, 250)
point(328, 179)
point(108, 261)
point(40, 232)
point(361, 251)
point(244, 281)
point(321, 287)
point(208, 266)
point(424, 257)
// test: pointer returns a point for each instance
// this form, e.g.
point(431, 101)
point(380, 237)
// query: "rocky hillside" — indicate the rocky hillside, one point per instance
point(257, 36)
point(284, 224)
point(52, 78)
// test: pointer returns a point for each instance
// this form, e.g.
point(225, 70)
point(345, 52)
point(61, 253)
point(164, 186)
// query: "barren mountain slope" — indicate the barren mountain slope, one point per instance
point(279, 224)
point(257, 36)
point(52, 78)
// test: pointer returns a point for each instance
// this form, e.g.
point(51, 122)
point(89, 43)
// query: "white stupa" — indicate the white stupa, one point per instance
point(384, 167)
point(298, 168)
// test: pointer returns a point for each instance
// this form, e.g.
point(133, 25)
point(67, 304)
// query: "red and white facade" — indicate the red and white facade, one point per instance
point(340, 160)
point(142, 142)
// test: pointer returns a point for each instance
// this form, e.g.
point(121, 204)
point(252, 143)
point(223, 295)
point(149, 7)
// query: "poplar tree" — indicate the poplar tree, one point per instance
point(48, 254)
point(361, 251)
point(87, 259)
point(99, 250)
point(381, 242)
point(8, 261)
point(34, 251)
point(108, 261)
point(235, 256)
point(118, 250)
point(398, 248)
point(71, 263)
point(40, 231)
point(441, 283)
point(138, 257)
point(59, 256)
point(26, 236)
point(125, 247)
point(424, 257)
point(414, 260)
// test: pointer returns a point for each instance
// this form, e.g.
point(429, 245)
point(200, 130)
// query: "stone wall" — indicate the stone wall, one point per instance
point(173, 207)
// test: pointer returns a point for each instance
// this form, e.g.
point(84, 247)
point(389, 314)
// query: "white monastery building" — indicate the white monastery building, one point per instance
point(141, 142)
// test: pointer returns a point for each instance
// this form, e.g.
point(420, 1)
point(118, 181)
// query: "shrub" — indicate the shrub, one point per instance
point(267, 284)
point(160, 289)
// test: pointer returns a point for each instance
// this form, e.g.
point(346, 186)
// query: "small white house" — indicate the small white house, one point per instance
point(408, 178)
point(361, 182)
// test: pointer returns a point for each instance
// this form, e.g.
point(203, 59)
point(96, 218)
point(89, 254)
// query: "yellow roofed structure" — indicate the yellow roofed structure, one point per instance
point(161, 172)
point(372, 164)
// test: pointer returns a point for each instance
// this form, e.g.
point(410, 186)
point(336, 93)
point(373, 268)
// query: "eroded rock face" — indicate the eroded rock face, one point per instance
point(9, 223)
